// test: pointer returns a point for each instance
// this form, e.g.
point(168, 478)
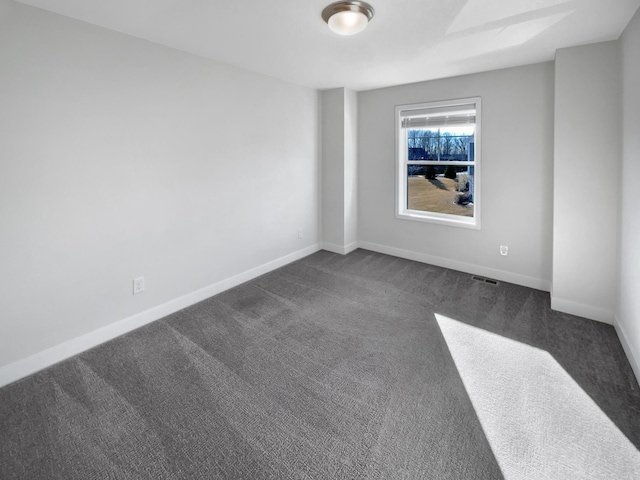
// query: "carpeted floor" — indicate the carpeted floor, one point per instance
point(335, 367)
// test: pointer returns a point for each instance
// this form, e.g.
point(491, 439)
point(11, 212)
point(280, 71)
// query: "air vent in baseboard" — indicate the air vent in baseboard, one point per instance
point(490, 281)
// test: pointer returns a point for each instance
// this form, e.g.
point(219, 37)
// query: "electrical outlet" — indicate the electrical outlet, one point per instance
point(300, 232)
point(138, 285)
point(504, 250)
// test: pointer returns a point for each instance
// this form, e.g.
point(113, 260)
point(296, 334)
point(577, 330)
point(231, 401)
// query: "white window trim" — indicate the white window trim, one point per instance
point(402, 211)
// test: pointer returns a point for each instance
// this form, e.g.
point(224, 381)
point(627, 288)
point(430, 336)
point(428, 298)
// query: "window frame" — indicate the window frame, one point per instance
point(403, 162)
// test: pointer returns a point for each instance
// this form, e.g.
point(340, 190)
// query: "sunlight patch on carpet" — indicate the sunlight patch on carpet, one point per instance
point(539, 422)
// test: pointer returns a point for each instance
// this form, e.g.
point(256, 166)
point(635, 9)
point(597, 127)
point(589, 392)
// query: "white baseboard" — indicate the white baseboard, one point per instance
point(351, 247)
point(626, 345)
point(524, 280)
point(342, 250)
point(41, 360)
point(581, 310)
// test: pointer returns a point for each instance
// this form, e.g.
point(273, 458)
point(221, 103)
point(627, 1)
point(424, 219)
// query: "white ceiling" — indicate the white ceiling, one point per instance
point(406, 41)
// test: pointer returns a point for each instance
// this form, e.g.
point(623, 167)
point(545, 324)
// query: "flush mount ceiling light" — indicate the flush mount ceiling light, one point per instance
point(347, 18)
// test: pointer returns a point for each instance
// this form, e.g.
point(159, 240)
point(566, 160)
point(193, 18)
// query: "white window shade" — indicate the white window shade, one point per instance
point(439, 116)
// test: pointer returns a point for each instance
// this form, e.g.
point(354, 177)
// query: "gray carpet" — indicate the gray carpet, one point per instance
point(331, 367)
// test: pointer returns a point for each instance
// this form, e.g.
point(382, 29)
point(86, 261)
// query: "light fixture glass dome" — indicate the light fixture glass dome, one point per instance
point(348, 17)
point(348, 23)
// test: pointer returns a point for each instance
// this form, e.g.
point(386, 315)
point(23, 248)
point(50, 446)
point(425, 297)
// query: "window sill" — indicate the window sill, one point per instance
point(440, 219)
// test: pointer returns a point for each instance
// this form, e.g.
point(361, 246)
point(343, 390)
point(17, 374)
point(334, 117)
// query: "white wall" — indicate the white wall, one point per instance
point(333, 171)
point(121, 158)
point(628, 301)
point(517, 169)
point(350, 168)
point(339, 170)
point(586, 159)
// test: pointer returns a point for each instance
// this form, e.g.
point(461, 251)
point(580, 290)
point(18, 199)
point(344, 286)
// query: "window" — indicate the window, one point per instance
point(438, 150)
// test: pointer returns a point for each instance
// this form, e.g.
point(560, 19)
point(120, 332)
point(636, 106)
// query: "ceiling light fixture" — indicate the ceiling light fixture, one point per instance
point(347, 18)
